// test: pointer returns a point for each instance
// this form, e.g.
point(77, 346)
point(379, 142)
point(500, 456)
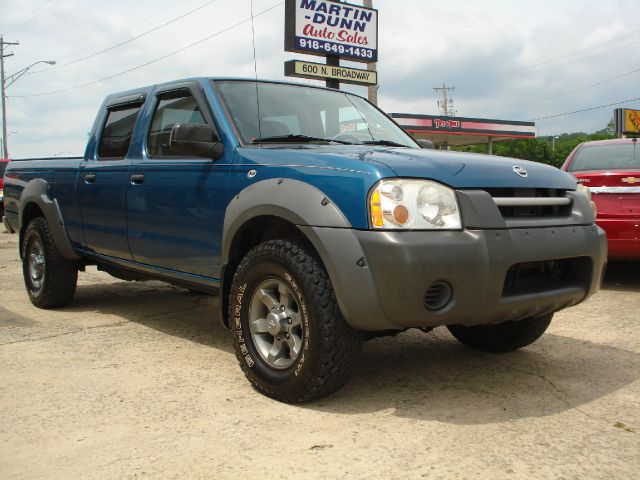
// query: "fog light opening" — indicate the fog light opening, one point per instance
point(438, 296)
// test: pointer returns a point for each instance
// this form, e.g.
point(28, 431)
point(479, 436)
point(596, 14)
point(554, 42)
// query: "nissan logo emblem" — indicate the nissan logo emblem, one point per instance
point(520, 171)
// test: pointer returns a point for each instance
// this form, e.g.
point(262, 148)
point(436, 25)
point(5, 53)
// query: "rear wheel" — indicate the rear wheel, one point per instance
point(50, 279)
point(290, 338)
point(502, 337)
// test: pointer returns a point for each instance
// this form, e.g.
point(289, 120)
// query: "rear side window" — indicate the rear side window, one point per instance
point(179, 107)
point(622, 156)
point(117, 131)
point(3, 167)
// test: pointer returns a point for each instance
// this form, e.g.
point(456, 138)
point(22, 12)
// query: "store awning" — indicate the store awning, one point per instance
point(463, 131)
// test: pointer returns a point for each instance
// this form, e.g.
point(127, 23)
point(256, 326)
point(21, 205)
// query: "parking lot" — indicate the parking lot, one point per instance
point(138, 380)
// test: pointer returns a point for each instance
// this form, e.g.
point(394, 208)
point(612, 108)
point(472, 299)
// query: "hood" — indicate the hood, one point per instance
point(456, 169)
point(469, 170)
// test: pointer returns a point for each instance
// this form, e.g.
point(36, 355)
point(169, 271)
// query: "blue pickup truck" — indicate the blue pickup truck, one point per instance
point(316, 219)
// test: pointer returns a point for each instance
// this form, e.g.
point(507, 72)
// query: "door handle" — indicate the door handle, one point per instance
point(137, 178)
point(90, 178)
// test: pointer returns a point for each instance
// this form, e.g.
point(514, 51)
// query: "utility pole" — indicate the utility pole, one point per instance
point(5, 149)
point(373, 89)
point(447, 103)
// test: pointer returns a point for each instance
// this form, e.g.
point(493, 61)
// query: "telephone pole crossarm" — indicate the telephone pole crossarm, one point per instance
point(447, 103)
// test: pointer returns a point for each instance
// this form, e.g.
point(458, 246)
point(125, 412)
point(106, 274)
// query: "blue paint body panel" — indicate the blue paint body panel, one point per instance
point(172, 224)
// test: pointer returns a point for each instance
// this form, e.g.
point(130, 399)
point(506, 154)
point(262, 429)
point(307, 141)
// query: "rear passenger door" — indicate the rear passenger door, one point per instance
point(102, 181)
point(176, 203)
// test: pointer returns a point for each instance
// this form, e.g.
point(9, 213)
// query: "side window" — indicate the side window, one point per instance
point(117, 131)
point(173, 108)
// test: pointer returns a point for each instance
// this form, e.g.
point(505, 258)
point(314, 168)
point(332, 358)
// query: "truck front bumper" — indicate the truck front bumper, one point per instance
point(395, 280)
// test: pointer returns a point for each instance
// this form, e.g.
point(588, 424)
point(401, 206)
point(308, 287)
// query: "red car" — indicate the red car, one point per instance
point(3, 165)
point(611, 170)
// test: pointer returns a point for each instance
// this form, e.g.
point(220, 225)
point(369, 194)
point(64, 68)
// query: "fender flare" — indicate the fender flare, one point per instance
point(36, 192)
point(295, 201)
point(326, 228)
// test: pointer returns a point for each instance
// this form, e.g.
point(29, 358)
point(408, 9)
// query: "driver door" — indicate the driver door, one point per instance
point(175, 204)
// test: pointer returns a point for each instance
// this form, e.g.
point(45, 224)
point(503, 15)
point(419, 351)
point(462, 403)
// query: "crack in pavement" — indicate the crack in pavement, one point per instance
point(559, 393)
point(117, 324)
point(105, 325)
point(159, 314)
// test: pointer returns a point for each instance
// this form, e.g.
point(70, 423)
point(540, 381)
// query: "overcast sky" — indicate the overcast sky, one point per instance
point(505, 58)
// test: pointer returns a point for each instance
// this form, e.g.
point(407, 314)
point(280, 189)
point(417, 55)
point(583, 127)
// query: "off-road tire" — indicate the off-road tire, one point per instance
point(330, 346)
point(60, 276)
point(502, 337)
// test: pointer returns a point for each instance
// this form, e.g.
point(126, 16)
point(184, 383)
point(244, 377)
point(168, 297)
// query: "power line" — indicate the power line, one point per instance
point(606, 52)
point(67, 22)
point(129, 27)
point(128, 40)
point(137, 67)
point(571, 54)
point(570, 92)
point(35, 13)
point(586, 87)
point(586, 109)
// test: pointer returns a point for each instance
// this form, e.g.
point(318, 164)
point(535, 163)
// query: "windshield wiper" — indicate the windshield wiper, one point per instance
point(297, 139)
point(386, 143)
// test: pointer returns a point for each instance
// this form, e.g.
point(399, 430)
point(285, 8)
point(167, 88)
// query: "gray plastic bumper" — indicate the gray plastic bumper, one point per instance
point(380, 278)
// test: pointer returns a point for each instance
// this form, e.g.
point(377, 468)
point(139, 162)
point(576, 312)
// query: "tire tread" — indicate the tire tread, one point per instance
point(502, 337)
point(341, 343)
point(61, 274)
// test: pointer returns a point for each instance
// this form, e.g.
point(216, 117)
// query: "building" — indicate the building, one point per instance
point(445, 131)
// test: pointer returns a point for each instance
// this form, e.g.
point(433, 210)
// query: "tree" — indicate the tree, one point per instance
point(540, 149)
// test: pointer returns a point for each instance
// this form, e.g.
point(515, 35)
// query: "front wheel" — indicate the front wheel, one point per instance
point(502, 337)
point(49, 278)
point(290, 338)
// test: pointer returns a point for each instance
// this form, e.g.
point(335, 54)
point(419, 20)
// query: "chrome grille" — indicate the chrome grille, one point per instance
point(517, 203)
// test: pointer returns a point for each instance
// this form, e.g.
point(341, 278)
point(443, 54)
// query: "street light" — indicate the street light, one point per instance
point(553, 143)
point(12, 78)
point(6, 82)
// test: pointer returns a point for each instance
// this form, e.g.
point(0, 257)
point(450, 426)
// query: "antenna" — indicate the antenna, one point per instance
point(255, 69)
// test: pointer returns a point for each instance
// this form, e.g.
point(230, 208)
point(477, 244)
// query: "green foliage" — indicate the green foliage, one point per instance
point(541, 149)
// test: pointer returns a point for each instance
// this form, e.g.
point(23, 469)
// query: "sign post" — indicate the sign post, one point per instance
point(333, 30)
point(333, 61)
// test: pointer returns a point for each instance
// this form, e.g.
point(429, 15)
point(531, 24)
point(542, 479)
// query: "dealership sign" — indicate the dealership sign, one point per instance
point(321, 27)
point(627, 122)
point(320, 71)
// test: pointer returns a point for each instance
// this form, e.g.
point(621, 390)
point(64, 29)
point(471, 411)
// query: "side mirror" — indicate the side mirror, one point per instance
point(424, 143)
point(195, 139)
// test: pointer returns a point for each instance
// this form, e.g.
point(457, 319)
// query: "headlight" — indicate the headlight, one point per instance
point(403, 204)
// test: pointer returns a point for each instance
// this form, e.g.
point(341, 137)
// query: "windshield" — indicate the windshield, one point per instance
point(303, 114)
point(621, 156)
